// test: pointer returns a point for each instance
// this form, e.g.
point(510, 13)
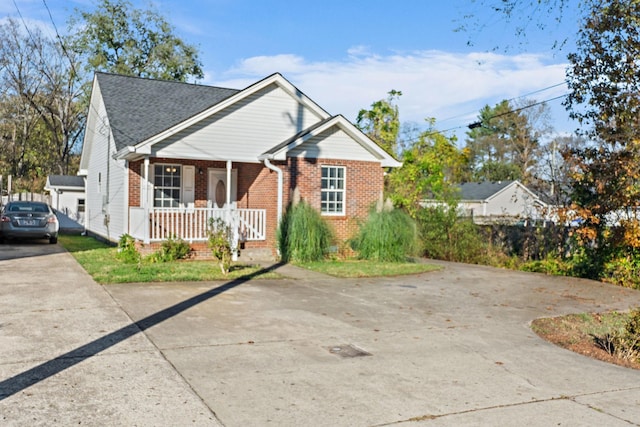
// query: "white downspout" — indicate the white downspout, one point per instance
point(268, 164)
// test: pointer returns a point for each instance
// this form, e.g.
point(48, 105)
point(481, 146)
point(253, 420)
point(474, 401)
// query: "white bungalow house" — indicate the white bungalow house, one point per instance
point(161, 158)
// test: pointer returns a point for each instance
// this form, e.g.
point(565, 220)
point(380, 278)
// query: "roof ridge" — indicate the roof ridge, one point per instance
point(149, 79)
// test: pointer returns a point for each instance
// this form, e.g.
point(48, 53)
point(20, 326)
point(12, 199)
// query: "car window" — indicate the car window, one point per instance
point(27, 208)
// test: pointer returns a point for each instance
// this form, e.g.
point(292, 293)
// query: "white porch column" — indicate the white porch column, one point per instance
point(232, 216)
point(229, 165)
point(145, 199)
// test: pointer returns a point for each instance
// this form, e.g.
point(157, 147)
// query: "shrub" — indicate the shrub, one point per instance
point(445, 236)
point(632, 330)
point(172, 249)
point(303, 235)
point(219, 241)
point(388, 235)
point(623, 270)
point(623, 343)
point(552, 264)
point(127, 251)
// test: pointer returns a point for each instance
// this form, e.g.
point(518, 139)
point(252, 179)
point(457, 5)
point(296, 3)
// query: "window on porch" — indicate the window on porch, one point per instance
point(167, 184)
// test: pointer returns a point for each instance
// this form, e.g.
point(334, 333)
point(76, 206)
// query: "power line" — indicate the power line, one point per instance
point(509, 100)
point(478, 124)
point(517, 110)
point(24, 23)
point(64, 48)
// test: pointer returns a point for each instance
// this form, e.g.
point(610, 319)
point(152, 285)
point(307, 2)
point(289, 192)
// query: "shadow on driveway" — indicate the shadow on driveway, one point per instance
point(26, 379)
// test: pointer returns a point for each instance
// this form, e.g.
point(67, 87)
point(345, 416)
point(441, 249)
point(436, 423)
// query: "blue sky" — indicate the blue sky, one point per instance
point(347, 54)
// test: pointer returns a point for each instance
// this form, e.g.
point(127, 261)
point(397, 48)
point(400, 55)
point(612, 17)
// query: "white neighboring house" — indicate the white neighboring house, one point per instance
point(68, 195)
point(501, 201)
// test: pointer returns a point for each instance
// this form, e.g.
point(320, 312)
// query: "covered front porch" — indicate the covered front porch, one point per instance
point(179, 198)
point(192, 224)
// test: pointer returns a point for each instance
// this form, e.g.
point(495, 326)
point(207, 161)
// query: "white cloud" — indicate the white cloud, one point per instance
point(434, 83)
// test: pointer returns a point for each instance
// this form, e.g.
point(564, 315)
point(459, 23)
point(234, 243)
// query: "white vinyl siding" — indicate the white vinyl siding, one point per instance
point(107, 192)
point(332, 193)
point(334, 143)
point(243, 131)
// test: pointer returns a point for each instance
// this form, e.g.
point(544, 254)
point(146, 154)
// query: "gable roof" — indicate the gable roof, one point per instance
point(275, 78)
point(482, 190)
point(66, 181)
point(279, 151)
point(143, 112)
point(140, 108)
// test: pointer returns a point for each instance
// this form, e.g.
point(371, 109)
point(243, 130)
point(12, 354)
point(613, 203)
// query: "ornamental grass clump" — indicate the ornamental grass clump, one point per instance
point(388, 235)
point(303, 236)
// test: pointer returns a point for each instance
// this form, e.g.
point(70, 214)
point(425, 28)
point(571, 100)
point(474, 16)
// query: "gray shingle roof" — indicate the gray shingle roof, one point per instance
point(481, 190)
point(141, 108)
point(66, 181)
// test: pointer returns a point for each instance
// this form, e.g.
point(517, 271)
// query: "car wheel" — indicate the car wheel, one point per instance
point(53, 240)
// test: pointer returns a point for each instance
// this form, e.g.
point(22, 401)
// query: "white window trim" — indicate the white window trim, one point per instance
point(343, 191)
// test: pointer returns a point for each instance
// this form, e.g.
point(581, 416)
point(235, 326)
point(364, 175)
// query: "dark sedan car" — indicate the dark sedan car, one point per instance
point(28, 220)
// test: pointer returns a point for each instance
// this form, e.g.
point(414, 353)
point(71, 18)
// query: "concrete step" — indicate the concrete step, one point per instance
point(256, 255)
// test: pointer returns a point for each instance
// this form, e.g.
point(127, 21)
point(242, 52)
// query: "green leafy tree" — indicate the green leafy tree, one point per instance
point(118, 38)
point(431, 167)
point(604, 82)
point(382, 122)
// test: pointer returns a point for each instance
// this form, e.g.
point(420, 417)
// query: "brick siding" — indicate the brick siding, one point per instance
point(257, 189)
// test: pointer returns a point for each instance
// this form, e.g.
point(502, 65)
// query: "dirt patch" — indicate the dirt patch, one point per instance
point(576, 332)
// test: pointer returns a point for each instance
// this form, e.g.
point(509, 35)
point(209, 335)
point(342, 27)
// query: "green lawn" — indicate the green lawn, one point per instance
point(101, 262)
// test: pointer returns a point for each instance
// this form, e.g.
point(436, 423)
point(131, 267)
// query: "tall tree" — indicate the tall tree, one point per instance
point(505, 142)
point(604, 80)
point(118, 38)
point(382, 122)
point(25, 141)
point(39, 79)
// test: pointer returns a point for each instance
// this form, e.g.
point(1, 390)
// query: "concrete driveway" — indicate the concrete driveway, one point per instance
point(446, 348)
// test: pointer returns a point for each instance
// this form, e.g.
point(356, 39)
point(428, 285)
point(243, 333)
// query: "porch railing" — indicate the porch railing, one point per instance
point(191, 224)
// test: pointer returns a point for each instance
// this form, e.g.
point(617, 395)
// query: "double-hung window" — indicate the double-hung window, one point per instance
point(167, 183)
point(332, 190)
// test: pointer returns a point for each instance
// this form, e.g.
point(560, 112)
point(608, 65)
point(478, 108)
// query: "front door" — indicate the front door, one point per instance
point(217, 187)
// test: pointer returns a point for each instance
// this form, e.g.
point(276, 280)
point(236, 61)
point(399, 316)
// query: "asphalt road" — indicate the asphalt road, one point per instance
point(445, 348)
